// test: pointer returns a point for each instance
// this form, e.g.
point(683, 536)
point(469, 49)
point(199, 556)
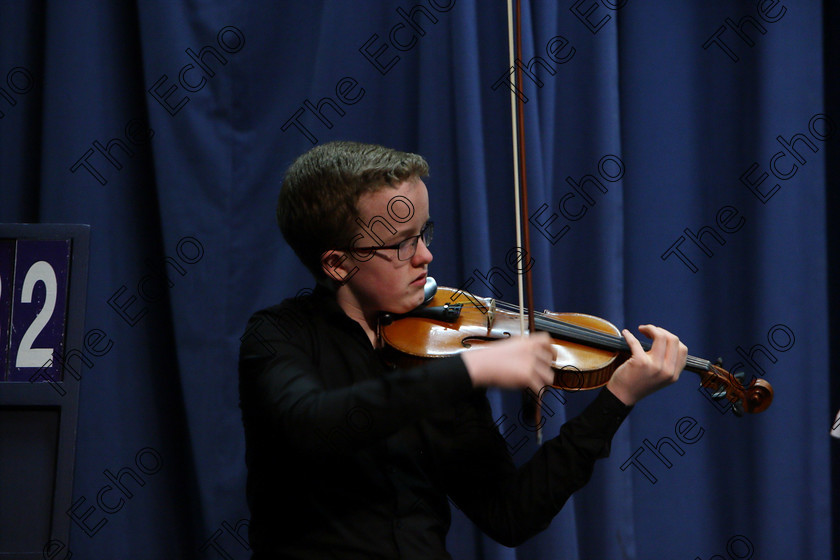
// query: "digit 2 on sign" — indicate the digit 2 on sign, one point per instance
point(37, 308)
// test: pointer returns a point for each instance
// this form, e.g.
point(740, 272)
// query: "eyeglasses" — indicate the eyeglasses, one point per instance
point(405, 248)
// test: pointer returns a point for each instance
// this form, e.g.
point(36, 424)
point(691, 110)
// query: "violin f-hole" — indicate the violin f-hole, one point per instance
point(465, 342)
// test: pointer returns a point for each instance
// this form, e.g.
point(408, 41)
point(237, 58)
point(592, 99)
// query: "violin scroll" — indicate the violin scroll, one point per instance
point(753, 398)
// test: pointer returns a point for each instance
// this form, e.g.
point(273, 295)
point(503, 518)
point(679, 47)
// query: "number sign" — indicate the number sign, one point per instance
point(33, 308)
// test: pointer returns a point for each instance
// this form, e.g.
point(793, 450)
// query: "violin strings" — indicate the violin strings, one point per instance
point(577, 333)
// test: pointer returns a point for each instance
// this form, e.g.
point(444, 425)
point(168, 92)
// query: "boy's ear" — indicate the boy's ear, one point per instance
point(338, 266)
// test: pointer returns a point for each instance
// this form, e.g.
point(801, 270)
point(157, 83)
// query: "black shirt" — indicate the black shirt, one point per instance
point(348, 458)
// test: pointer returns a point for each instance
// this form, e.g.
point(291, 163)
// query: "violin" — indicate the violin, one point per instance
point(587, 349)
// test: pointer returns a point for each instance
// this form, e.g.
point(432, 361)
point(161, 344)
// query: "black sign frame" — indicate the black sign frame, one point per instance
point(56, 399)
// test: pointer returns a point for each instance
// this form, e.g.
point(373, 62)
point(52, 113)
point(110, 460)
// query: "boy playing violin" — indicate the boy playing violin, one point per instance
point(350, 458)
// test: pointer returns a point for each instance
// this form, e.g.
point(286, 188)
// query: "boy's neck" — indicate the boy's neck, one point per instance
point(367, 320)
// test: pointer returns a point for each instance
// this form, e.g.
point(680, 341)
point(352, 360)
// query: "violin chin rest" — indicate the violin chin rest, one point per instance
point(429, 290)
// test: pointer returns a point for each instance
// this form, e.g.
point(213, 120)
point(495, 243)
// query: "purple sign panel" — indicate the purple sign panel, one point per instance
point(39, 310)
point(7, 270)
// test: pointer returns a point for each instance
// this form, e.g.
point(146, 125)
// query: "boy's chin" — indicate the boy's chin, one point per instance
point(408, 306)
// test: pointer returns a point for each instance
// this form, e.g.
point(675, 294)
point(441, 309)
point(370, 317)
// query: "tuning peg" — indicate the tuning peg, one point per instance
point(738, 409)
point(739, 376)
point(719, 362)
point(721, 392)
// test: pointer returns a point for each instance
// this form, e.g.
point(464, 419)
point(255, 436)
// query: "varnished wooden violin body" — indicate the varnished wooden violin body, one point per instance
point(588, 349)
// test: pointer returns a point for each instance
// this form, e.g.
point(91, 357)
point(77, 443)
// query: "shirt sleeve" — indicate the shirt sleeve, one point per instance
point(282, 393)
point(511, 505)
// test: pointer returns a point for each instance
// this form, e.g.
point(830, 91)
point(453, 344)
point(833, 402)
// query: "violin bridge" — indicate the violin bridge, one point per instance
point(491, 312)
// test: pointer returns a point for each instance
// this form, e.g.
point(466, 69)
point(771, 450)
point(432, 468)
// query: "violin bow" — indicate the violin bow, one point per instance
point(520, 186)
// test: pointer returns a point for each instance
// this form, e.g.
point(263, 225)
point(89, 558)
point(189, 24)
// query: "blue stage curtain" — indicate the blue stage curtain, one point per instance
point(676, 157)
